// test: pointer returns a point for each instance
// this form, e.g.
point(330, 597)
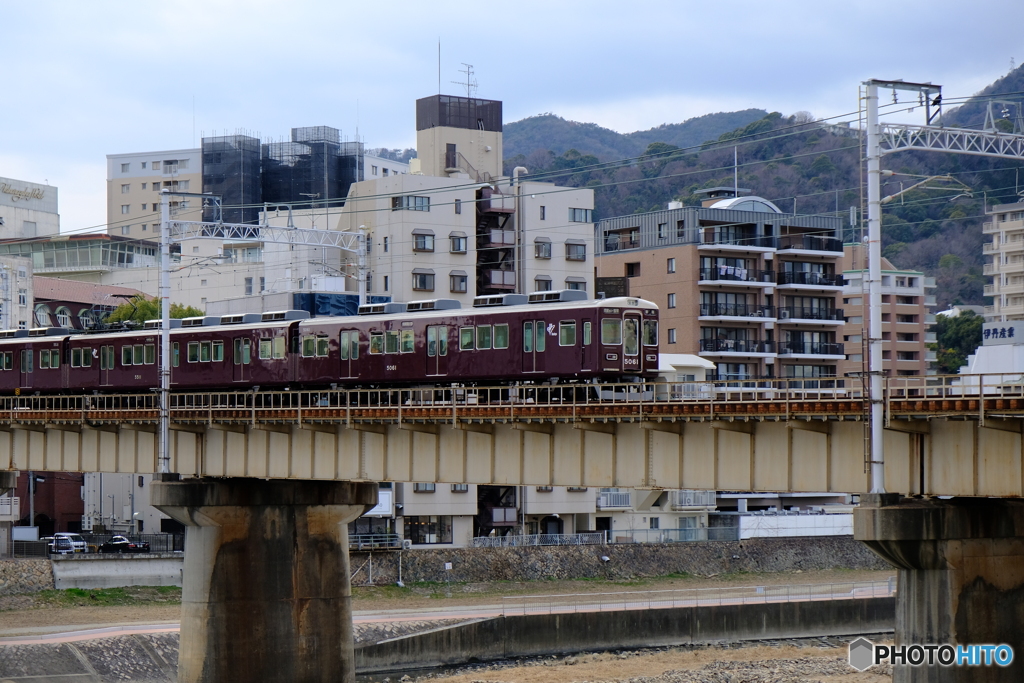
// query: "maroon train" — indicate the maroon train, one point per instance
point(503, 339)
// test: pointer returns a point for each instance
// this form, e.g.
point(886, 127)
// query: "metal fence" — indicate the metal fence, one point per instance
point(512, 541)
point(158, 543)
point(374, 541)
point(693, 597)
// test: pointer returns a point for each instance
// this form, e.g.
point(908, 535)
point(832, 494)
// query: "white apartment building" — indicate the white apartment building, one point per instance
point(1004, 262)
point(134, 184)
point(27, 209)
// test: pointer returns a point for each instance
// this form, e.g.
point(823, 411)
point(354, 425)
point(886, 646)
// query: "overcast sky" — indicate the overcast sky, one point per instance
point(83, 80)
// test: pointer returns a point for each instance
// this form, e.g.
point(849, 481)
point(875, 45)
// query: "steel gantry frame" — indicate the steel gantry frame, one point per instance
point(178, 231)
point(886, 138)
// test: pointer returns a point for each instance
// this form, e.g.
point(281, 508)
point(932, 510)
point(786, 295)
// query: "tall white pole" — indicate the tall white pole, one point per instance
point(875, 289)
point(164, 464)
point(520, 235)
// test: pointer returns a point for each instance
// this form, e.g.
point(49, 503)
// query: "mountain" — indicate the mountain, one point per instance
point(550, 132)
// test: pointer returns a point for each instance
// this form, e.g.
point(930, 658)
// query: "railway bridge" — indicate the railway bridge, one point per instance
point(267, 480)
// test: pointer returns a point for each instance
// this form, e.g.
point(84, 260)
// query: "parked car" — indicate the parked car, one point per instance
point(120, 544)
point(61, 541)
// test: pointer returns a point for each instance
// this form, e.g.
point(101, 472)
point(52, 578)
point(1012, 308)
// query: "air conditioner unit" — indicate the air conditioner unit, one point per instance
point(783, 313)
point(406, 544)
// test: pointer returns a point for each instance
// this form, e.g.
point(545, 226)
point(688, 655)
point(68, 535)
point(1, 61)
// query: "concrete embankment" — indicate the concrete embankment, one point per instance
point(545, 634)
point(111, 571)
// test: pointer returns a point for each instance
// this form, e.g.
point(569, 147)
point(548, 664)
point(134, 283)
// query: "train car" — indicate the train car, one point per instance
point(33, 360)
point(504, 339)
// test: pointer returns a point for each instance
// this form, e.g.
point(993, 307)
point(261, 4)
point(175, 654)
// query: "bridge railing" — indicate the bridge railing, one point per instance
point(692, 597)
point(514, 541)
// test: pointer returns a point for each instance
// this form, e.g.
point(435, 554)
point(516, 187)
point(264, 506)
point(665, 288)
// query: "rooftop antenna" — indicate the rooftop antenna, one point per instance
point(470, 81)
point(439, 65)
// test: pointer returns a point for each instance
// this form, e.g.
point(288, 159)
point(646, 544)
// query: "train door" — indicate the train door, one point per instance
point(25, 367)
point(348, 348)
point(534, 342)
point(631, 326)
point(106, 365)
point(437, 350)
point(587, 347)
point(241, 357)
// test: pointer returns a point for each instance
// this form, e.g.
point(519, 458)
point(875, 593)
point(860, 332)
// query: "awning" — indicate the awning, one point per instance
point(575, 278)
point(575, 241)
point(541, 239)
point(453, 233)
point(423, 231)
point(422, 271)
point(457, 272)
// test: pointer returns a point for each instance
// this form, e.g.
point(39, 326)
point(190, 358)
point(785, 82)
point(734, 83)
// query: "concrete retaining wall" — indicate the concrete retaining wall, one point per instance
point(25, 576)
point(625, 560)
point(531, 635)
point(111, 571)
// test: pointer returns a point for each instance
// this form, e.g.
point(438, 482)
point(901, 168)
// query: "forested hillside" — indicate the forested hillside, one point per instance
point(808, 167)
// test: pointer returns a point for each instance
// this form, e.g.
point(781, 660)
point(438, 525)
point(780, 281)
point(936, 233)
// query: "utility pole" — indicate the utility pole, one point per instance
point(164, 458)
point(875, 290)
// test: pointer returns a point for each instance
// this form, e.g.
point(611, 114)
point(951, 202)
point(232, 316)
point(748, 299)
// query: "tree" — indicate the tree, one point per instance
point(956, 338)
point(140, 309)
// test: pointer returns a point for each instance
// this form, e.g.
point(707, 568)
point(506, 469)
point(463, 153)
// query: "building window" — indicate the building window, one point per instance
point(125, 167)
point(428, 529)
point(671, 335)
point(143, 207)
point(374, 170)
point(23, 297)
point(542, 250)
point(125, 229)
point(458, 206)
point(655, 522)
point(384, 172)
point(575, 252)
point(581, 215)
point(459, 283)
point(124, 209)
point(460, 488)
point(387, 283)
point(125, 189)
point(576, 284)
point(156, 186)
point(248, 286)
point(671, 265)
point(423, 282)
point(542, 284)
point(155, 165)
point(680, 229)
point(672, 300)
point(424, 488)
point(409, 203)
point(423, 243)
point(385, 245)
point(543, 213)
point(545, 489)
point(662, 230)
point(143, 168)
point(632, 270)
point(458, 244)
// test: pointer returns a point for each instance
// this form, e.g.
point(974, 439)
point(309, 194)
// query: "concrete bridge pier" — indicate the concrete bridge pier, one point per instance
point(266, 592)
point(961, 577)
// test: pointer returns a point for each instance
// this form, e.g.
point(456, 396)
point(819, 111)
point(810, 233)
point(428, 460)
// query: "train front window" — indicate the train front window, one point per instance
point(650, 333)
point(630, 337)
point(611, 331)
point(501, 336)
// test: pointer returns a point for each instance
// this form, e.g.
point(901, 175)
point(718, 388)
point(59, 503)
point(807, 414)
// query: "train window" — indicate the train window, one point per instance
point(308, 346)
point(407, 341)
point(343, 346)
point(193, 352)
point(26, 360)
point(243, 351)
point(376, 343)
point(391, 342)
point(137, 354)
point(483, 337)
point(528, 337)
point(322, 345)
point(501, 336)
point(567, 333)
point(9, 360)
point(106, 358)
point(44, 359)
point(611, 331)
point(631, 337)
point(541, 339)
point(465, 339)
point(218, 351)
point(354, 341)
point(279, 349)
point(266, 349)
point(650, 333)
point(76, 358)
point(126, 355)
point(442, 340)
point(150, 354)
point(175, 354)
point(586, 333)
point(205, 352)
point(431, 341)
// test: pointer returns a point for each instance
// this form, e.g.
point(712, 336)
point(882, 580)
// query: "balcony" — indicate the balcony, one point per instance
point(827, 349)
point(800, 313)
point(744, 347)
point(620, 243)
point(929, 283)
point(810, 243)
point(736, 311)
point(989, 248)
point(989, 290)
point(501, 238)
point(501, 279)
point(990, 269)
point(613, 499)
point(737, 241)
point(989, 228)
point(729, 274)
point(1012, 245)
point(691, 499)
point(809, 279)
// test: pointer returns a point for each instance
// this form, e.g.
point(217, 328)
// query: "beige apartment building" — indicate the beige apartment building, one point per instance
point(907, 315)
point(738, 282)
point(1004, 262)
point(134, 184)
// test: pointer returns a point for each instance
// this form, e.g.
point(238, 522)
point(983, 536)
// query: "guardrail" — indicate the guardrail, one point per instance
point(785, 398)
point(594, 538)
point(694, 597)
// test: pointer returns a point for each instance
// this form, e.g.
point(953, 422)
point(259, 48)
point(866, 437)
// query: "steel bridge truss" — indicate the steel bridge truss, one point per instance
point(246, 232)
point(896, 137)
